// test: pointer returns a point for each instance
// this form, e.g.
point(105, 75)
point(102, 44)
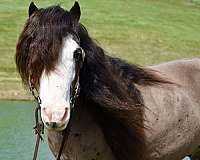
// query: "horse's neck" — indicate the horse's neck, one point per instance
point(85, 141)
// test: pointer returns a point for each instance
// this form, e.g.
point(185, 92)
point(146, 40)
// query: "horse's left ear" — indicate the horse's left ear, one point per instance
point(75, 12)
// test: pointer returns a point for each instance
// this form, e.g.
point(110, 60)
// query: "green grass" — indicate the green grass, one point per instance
point(140, 31)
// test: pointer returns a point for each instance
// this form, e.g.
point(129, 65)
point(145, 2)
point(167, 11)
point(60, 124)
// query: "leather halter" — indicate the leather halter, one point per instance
point(39, 126)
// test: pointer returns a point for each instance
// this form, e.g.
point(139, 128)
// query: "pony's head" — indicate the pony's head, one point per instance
point(49, 56)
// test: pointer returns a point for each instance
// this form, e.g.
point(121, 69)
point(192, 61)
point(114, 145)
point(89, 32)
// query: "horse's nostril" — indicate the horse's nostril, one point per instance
point(47, 113)
point(65, 114)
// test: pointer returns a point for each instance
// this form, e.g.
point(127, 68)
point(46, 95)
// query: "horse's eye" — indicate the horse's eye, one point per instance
point(77, 54)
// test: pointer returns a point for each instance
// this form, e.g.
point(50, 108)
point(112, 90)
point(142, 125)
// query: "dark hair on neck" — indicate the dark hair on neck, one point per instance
point(109, 86)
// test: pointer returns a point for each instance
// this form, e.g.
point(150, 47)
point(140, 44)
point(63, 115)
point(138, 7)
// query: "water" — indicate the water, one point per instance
point(17, 139)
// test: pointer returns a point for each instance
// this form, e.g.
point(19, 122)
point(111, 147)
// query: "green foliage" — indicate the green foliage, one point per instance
point(140, 31)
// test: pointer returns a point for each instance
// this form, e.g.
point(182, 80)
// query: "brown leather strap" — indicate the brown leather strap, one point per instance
point(64, 140)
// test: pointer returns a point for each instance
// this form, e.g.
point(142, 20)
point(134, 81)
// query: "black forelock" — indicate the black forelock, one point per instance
point(41, 40)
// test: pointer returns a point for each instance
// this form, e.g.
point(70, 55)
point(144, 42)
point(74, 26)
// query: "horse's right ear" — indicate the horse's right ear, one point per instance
point(32, 9)
point(75, 12)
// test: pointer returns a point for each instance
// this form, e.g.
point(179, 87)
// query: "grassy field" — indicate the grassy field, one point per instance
point(140, 31)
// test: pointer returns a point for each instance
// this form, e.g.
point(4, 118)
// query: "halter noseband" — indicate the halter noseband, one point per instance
point(39, 125)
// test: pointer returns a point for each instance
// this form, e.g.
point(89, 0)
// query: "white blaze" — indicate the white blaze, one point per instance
point(55, 86)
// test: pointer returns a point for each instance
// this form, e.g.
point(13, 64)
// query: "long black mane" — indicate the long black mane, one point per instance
point(108, 85)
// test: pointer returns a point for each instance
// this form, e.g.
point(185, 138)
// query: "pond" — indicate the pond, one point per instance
point(17, 139)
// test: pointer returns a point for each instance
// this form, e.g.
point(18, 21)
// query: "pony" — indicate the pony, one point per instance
point(123, 111)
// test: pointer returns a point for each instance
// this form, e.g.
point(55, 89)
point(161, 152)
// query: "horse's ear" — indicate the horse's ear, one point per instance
point(75, 12)
point(32, 9)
